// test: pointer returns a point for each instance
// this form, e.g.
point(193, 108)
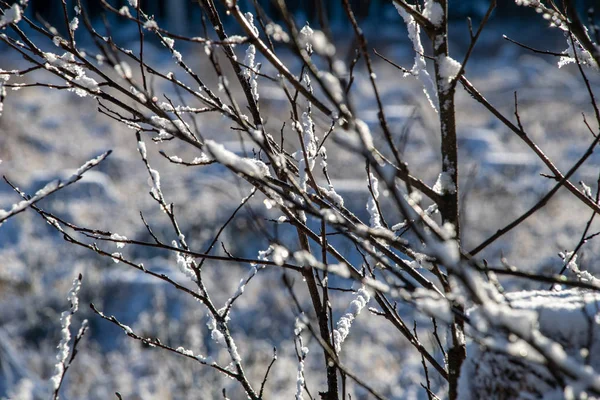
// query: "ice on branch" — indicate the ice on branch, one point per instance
point(345, 323)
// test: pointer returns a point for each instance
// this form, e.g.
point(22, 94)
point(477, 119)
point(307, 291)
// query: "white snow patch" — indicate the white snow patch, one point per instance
point(345, 323)
point(434, 12)
point(11, 16)
point(244, 165)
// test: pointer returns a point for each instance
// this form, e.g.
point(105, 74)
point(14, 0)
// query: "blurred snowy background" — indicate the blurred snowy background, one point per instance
point(44, 134)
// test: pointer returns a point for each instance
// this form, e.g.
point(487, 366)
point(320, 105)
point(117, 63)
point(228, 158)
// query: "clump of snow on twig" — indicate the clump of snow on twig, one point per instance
point(247, 166)
point(375, 217)
point(344, 324)
point(434, 12)
point(444, 184)
point(65, 333)
point(11, 16)
point(419, 68)
point(448, 70)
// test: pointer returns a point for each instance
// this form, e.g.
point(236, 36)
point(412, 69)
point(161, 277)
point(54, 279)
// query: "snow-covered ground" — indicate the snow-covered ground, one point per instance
point(45, 134)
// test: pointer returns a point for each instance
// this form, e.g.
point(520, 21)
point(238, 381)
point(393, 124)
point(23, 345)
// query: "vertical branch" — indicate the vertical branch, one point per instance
point(446, 91)
point(446, 71)
point(323, 319)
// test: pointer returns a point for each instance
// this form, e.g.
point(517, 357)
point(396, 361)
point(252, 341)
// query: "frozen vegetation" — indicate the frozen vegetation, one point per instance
point(193, 194)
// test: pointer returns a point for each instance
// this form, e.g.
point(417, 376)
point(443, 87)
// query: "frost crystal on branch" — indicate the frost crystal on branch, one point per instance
point(583, 56)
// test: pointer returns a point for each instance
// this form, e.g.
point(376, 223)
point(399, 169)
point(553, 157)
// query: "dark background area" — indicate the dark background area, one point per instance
point(308, 9)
